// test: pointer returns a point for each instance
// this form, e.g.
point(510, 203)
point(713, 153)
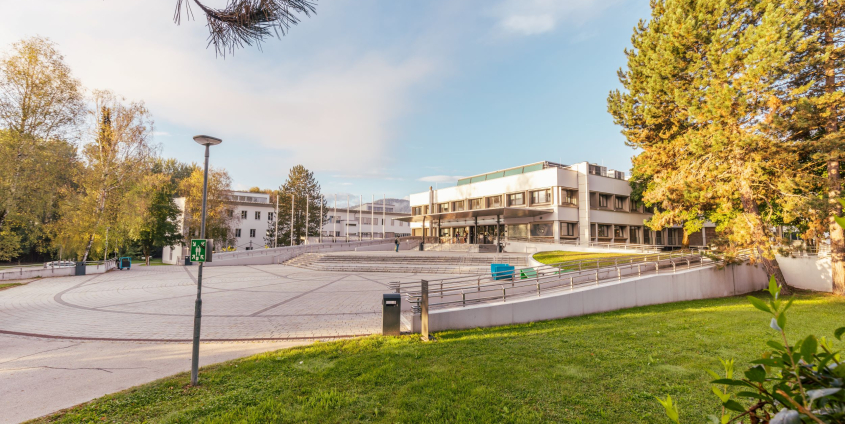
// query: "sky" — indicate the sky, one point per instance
point(375, 97)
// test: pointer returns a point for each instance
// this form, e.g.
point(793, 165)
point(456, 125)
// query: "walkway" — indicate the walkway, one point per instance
point(67, 340)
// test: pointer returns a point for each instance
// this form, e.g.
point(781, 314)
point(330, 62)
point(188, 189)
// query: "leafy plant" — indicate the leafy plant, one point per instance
point(790, 384)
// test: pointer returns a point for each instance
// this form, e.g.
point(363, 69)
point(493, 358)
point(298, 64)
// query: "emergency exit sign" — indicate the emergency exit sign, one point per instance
point(201, 250)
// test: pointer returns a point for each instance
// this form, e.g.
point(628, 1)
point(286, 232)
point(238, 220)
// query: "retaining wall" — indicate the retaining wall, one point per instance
point(808, 272)
point(700, 283)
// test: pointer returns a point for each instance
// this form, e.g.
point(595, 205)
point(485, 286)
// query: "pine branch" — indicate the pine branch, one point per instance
point(244, 22)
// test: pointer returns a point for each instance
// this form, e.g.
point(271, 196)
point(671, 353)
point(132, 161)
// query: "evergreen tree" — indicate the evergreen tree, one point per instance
point(159, 227)
point(703, 85)
point(816, 120)
point(300, 189)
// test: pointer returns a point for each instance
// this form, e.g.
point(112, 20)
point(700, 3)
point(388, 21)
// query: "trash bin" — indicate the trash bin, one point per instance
point(80, 268)
point(391, 309)
point(422, 246)
point(125, 263)
point(188, 261)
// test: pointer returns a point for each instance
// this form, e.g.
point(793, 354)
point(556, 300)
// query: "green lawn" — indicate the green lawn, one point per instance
point(558, 256)
point(4, 286)
point(603, 368)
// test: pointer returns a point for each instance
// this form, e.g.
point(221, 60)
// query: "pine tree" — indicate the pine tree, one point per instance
point(816, 120)
point(300, 189)
point(704, 80)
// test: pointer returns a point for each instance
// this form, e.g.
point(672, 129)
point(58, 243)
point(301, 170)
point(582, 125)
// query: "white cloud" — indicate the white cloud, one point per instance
point(161, 133)
point(532, 17)
point(330, 111)
point(529, 25)
point(441, 178)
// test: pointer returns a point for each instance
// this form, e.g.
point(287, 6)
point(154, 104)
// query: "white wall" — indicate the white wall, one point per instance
point(700, 283)
point(808, 272)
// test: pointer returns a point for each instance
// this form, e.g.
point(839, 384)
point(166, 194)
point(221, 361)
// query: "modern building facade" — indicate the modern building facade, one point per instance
point(363, 223)
point(543, 201)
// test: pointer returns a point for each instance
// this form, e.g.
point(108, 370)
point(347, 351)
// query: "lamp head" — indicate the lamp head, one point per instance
point(206, 140)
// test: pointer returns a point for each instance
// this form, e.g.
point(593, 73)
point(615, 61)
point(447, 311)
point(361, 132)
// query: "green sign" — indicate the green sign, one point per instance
point(201, 250)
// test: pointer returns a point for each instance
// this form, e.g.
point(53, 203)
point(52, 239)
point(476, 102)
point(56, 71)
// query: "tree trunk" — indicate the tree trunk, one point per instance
point(834, 185)
point(685, 239)
point(760, 237)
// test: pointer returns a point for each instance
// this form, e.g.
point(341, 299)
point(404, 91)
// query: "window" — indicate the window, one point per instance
point(604, 230)
point(458, 206)
point(257, 215)
point(618, 231)
point(658, 237)
point(603, 199)
point(243, 214)
point(252, 233)
point(620, 202)
point(646, 236)
point(634, 234)
point(417, 210)
point(541, 196)
point(270, 216)
point(517, 231)
point(443, 207)
point(237, 232)
point(476, 204)
point(516, 199)
point(230, 212)
point(568, 197)
point(494, 202)
point(542, 230)
point(567, 229)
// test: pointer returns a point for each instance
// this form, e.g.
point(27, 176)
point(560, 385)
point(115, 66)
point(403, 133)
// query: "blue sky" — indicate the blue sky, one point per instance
point(374, 96)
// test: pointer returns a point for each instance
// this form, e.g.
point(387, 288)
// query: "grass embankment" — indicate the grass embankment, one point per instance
point(601, 368)
point(558, 256)
point(153, 262)
point(4, 286)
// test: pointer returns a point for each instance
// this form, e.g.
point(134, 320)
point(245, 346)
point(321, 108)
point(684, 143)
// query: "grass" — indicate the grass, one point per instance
point(603, 368)
point(558, 256)
point(4, 286)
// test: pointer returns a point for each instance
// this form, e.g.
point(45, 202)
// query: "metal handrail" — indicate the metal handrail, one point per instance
point(545, 279)
point(305, 248)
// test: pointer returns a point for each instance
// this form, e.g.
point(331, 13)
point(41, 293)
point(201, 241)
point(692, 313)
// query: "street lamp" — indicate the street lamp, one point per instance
point(206, 141)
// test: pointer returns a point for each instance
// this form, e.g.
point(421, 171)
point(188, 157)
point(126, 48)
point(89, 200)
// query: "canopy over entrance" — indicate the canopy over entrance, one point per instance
point(492, 212)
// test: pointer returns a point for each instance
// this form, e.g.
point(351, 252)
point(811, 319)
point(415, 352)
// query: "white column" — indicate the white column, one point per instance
point(584, 224)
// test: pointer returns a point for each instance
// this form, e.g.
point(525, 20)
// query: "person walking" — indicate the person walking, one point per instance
point(396, 242)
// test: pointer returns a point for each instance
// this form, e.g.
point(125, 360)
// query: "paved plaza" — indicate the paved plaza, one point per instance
point(261, 302)
point(67, 340)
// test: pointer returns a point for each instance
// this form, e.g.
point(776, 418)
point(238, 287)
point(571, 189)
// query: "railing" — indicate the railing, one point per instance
point(9, 271)
point(821, 250)
point(536, 281)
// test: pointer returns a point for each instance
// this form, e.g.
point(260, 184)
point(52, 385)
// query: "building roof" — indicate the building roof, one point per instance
point(524, 169)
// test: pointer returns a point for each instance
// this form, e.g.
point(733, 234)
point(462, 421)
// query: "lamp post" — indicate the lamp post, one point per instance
point(206, 141)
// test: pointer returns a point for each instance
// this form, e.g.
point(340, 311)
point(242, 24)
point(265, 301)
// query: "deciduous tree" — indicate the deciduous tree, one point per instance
point(704, 81)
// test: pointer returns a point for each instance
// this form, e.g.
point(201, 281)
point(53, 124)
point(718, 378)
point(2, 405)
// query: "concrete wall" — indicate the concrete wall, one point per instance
point(808, 272)
point(701, 283)
point(525, 247)
point(389, 247)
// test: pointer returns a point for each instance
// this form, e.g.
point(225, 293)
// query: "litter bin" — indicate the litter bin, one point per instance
point(80, 268)
point(422, 246)
point(391, 308)
point(188, 261)
point(125, 263)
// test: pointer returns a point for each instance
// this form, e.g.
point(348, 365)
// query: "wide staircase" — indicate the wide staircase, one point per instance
point(405, 262)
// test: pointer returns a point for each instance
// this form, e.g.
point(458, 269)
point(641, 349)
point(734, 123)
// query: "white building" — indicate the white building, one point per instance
point(253, 211)
point(363, 223)
point(542, 201)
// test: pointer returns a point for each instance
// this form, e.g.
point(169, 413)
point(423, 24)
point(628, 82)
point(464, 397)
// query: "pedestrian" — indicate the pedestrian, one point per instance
point(396, 242)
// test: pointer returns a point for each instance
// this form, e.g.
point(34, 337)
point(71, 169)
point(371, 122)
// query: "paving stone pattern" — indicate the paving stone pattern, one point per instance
point(258, 302)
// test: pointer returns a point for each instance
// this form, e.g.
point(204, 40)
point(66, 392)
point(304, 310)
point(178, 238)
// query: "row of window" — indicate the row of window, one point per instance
point(238, 233)
point(523, 198)
point(611, 201)
point(367, 221)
